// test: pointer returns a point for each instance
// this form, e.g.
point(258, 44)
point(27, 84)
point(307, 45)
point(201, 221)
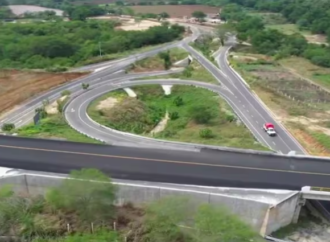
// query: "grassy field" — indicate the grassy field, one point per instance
point(54, 127)
point(221, 129)
point(299, 104)
point(156, 63)
point(306, 69)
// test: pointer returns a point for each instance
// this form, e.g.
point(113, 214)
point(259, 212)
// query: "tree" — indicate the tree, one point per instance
point(85, 86)
point(8, 127)
point(213, 224)
point(202, 114)
point(178, 101)
point(199, 15)
point(163, 218)
point(164, 15)
point(167, 59)
point(181, 219)
point(223, 30)
point(88, 192)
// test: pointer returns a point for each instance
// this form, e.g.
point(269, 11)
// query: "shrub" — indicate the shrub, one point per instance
point(65, 93)
point(206, 133)
point(174, 115)
point(178, 101)
point(8, 127)
point(202, 114)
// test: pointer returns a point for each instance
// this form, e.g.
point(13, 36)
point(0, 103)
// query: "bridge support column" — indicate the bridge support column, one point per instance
point(301, 202)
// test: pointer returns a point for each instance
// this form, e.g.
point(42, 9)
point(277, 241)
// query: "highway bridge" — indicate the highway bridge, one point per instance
point(136, 158)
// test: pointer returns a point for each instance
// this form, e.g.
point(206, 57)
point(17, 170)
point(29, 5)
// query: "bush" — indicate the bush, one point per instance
point(174, 115)
point(206, 133)
point(65, 93)
point(202, 114)
point(8, 127)
point(188, 71)
point(178, 101)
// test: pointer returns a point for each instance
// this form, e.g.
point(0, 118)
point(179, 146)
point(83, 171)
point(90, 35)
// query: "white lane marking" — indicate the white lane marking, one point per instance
point(244, 86)
point(274, 143)
point(257, 122)
point(243, 106)
point(247, 110)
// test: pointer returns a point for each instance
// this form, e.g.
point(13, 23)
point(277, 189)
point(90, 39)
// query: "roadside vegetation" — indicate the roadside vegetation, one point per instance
point(59, 45)
point(192, 71)
point(208, 45)
point(84, 210)
point(51, 125)
point(163, 61)
point(272, 42)
point(188, 114)
point(296, 101)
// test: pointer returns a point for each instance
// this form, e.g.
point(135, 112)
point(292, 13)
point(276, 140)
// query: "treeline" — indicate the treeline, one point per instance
point(82, 208)
point(269, 41)
point(65, 44)
point(312, 15)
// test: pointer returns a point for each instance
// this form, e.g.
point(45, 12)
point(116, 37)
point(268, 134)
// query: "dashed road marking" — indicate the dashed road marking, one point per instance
point(274, 143)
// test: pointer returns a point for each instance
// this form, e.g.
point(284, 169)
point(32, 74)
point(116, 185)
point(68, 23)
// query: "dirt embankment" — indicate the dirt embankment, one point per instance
point(18, 86)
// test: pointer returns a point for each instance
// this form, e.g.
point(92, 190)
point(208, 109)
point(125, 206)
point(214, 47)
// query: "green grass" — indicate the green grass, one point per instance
point(197, 73)
point(322, 138)
point(184, 128)
point(54, 127)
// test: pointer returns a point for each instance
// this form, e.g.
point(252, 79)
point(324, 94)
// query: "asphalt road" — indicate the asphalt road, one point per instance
point(202, 167)
point(77, 117)
point(253, 113)
point(207, 167)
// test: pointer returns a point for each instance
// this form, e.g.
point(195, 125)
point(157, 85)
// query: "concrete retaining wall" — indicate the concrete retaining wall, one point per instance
point(251, 211)
point(282, 214)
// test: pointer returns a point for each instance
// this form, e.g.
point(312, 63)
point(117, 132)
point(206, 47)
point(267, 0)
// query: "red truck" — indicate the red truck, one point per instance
point(270, 129)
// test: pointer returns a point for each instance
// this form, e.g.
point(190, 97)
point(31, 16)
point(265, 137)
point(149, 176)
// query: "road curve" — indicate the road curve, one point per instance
point(76, 114)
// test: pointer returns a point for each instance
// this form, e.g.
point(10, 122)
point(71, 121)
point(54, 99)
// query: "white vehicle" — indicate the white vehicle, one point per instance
point(269, 128)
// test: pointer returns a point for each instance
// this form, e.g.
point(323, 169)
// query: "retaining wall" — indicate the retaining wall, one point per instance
point(251, 211)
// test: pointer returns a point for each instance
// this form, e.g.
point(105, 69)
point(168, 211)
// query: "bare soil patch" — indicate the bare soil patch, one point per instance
point(107, 103)
point(176, 11)
point(131, 24)
point(53, 107)
point(21, 9)
point(18, 86)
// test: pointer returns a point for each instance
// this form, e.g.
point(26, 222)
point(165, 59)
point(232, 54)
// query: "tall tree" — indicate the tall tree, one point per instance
point(199, 15)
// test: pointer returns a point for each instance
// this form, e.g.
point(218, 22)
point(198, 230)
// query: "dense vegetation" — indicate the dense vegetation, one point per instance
point(64, 44)
point(82, 210)
point(270, 41)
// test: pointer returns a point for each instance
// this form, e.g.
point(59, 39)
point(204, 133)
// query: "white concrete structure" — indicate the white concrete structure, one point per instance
point(265, 210)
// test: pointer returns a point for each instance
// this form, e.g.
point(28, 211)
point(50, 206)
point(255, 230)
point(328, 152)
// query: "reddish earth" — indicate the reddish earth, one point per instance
point(18, 86)
point(176, 11)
